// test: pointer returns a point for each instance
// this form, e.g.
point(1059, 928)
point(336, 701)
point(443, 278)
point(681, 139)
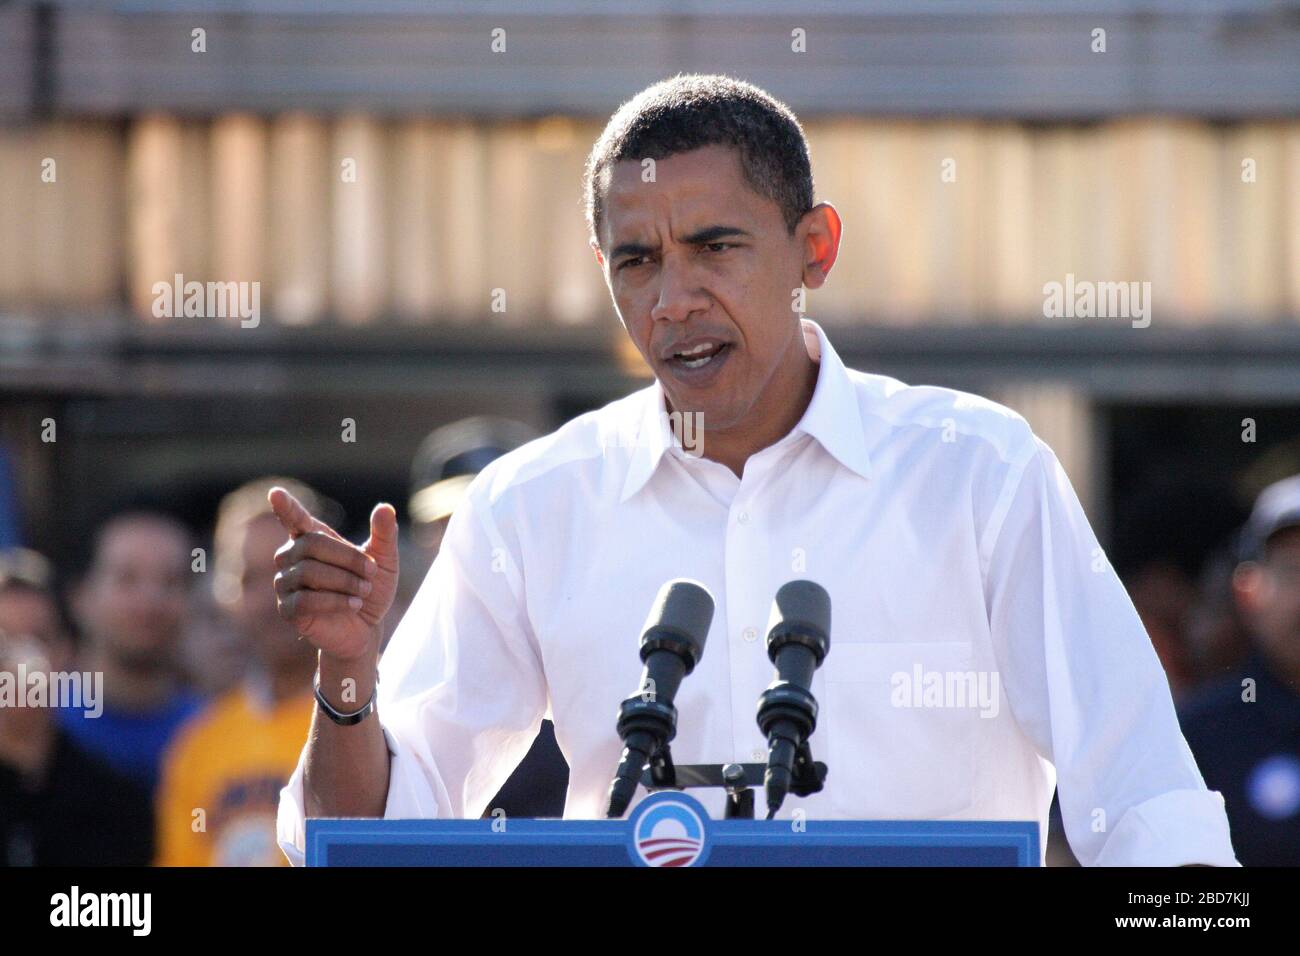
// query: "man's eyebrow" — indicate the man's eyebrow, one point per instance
point(698, 238)
point(713, 234)
point(630, 249)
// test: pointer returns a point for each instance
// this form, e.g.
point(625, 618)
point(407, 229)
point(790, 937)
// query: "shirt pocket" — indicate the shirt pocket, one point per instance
point(891, 754)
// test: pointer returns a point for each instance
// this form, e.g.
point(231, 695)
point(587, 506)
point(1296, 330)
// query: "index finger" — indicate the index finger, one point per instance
point(294, 518)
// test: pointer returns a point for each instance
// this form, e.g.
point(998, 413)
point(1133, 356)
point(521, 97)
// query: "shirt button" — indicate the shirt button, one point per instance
point(750, 634)
point(743, 517)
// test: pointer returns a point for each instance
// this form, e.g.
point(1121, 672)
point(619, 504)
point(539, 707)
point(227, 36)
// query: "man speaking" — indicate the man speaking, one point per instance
point(945, 533)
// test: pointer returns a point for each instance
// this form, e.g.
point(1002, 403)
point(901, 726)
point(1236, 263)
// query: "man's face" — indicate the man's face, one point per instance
point(1269, 596)
point(698, 261)
point(429, 534)
point(253, 607)
point(30, 628)
point(31, 637)
point(135, 597)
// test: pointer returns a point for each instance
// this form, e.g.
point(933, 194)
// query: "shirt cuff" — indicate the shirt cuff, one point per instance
point(290, 820)
point(410, 797)
point(1173, 829)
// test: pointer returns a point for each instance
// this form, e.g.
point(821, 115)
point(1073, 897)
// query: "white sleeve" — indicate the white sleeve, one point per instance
point(1085, 685)
point(461, 685)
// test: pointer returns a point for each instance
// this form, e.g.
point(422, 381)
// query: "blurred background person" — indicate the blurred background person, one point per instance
point(214, 651)
point(444, 465)
point(1164, 543)
point(59, 804)
point(1216, 637)
point(130, 606)
point(1245, 731)
point(222, 777)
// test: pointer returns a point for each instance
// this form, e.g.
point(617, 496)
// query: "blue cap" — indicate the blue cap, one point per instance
point(1276, 508)
point(451, 456)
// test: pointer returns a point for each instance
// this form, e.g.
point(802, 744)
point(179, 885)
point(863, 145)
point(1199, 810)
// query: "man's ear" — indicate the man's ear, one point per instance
point(821, 243)
point(1247, 583)
point(600, 256)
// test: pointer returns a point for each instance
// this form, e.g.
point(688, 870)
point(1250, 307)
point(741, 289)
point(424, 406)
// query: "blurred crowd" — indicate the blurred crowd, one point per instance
point(197, 696)
point(1226, 627)
point(177, 753)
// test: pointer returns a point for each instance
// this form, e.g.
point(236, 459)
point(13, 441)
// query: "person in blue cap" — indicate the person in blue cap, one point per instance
point(1245, 731)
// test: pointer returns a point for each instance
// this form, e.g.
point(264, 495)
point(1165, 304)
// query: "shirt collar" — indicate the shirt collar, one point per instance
point(832, 418)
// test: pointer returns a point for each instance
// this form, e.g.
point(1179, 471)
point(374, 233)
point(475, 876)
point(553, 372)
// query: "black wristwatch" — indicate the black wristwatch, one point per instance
point(340, 718)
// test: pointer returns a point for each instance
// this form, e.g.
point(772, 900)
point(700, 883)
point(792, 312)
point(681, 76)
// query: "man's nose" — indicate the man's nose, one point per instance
point(680, 294)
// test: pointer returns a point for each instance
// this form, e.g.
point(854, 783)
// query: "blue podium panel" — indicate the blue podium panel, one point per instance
point(670, 829)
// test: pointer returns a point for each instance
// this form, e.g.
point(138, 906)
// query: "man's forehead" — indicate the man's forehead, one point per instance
point(699, 188)
point(694, 176)
point(25, 600)
point(133, 539)
point(263, 533)
point(137, 536)
point(1284, 541)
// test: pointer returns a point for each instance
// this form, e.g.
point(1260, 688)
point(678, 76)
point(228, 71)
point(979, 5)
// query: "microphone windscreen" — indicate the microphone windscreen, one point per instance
point(802, 606)
point(683, 608)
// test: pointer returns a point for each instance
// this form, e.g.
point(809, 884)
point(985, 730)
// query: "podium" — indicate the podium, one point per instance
point(670, 829)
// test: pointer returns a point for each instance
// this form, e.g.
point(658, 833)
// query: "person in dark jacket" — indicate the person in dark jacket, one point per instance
point(59, 804)
point(1245, 730)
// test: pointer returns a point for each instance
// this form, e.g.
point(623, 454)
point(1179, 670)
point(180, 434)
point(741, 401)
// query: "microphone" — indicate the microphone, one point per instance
point(798, 639)
point(671, 644)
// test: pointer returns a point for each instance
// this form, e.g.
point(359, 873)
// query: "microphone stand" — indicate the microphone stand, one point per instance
point(738, 779)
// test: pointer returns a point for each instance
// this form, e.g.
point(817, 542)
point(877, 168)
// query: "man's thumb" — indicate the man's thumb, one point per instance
point(383, 533)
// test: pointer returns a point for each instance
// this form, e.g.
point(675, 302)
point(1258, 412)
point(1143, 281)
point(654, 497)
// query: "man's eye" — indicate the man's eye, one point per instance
point(638, 260)
point(718, 246)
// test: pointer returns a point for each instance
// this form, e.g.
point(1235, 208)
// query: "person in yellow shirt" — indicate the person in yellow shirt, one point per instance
point(222, 775)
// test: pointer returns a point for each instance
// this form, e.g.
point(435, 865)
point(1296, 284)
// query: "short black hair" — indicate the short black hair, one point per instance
point(690, 111)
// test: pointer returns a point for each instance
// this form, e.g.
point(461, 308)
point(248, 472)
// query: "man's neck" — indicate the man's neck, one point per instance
point(778, 409)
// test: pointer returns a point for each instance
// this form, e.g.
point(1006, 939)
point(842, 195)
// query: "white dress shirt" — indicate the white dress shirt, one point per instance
point(951, 543)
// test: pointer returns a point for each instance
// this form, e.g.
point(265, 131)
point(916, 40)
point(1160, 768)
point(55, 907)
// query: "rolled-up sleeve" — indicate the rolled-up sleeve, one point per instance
point(461, 685)
point(1085, 684)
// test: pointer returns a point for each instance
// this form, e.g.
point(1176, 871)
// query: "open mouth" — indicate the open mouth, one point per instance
point(700, 355)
